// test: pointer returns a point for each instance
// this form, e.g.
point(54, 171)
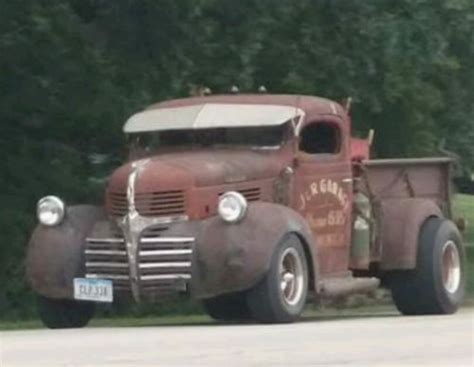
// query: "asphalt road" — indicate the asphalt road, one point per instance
point(384, 340)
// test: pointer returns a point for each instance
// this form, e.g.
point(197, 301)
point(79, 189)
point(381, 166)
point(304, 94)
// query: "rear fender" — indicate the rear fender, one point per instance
point(232, 257)
point(400, 227)
point(55, 255)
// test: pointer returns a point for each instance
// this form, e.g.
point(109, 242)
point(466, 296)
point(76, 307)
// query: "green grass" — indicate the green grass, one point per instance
point(312, 313)
point(470, 269)
point(136, 321)
point(464, 207)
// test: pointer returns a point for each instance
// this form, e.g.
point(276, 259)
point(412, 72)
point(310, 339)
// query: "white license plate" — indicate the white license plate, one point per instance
point(98, 290)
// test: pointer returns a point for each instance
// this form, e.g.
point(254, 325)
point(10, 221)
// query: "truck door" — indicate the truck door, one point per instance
point(323, 190)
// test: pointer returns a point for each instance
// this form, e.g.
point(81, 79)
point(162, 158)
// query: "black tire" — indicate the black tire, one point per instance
point(267, 301)
point(227, 307)
point(431, 288)
point(64, 314)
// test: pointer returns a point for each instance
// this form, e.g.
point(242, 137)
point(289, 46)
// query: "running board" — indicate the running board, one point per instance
point(333, 287)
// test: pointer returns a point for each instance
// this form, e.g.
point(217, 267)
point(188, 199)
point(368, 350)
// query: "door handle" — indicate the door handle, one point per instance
point(348, 180)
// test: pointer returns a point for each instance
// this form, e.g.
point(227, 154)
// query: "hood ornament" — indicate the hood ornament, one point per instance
point(131, 226)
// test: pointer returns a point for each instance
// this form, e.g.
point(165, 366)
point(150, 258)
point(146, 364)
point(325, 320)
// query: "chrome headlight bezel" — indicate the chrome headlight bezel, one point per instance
point(50, 211)
point(232, 206)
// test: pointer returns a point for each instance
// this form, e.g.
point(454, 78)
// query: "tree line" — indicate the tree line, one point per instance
point(71, 71)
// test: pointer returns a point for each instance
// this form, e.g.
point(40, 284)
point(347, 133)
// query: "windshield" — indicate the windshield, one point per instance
point(268, 137)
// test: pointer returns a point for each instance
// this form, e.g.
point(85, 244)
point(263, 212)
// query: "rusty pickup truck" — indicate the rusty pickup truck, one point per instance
point(253, 204)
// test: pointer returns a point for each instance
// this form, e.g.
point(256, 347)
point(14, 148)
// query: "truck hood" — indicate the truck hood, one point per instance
point(198, 169)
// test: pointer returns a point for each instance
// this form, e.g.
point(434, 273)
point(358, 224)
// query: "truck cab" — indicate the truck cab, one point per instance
point(249, 203)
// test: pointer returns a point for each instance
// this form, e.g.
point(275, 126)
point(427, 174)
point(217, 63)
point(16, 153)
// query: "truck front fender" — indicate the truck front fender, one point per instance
point(55, 255)
point(401, 220)
point(232, 257)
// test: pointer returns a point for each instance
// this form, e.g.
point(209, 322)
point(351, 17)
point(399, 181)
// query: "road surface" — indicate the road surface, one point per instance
point(384, 340)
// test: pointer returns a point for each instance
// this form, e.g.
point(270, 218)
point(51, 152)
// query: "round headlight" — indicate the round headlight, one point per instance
point(50, 210)
point(232, 206)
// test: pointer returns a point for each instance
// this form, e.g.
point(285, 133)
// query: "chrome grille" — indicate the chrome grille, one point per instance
point(162, 261)
point(107, 258)
point(152, 204)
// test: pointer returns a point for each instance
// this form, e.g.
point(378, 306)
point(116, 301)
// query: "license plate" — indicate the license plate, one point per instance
point(98, 290)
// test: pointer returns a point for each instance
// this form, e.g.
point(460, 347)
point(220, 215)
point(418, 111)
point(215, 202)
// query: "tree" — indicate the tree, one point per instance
point(73, 70)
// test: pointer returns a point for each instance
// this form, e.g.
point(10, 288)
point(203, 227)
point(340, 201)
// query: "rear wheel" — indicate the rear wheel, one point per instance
point(62, 314)
point(227, 307)
point(437, 284)
point(281, 295)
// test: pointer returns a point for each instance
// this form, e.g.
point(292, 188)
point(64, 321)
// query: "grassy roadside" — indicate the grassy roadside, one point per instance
point(312, 313)
point(464, 207)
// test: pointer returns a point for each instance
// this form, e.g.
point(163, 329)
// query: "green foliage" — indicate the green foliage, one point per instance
point(71, 71)
point(470, 269)
point(464, 208)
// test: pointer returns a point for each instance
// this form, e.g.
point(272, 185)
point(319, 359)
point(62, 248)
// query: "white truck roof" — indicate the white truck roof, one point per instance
point(211, 115)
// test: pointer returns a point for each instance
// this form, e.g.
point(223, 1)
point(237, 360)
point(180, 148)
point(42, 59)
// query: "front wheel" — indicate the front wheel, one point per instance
point(437, 284)
point(281, 295)
point(63, 314)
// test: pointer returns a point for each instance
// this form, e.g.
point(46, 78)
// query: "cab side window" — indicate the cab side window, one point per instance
point(321, 138)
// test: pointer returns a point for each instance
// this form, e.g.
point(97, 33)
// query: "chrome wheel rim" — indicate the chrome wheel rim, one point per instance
point(451, 267)
point(291, 276)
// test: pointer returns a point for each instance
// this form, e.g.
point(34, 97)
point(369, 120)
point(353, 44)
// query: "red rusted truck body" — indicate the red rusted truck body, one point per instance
point(160, 230)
